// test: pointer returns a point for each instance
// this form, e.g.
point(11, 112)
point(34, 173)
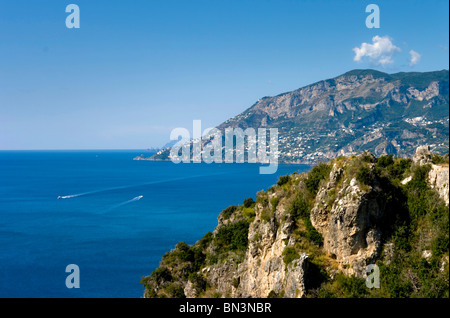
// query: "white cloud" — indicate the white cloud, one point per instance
point(415, 58)
point(380, 52)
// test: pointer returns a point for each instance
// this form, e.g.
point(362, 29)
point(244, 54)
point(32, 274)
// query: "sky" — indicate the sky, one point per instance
point(135, 70)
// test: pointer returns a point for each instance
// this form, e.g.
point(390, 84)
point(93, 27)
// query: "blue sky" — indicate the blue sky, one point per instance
point(135, 70)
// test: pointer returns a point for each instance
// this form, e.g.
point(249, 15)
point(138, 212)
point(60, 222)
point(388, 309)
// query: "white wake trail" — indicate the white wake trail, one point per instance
point(124, 203)
point(134, 186)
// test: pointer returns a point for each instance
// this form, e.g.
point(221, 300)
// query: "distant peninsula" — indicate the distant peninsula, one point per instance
point(361, 110)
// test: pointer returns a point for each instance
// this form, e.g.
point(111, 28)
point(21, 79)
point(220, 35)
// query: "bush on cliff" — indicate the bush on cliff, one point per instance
point(317, 174)
point(232, 236)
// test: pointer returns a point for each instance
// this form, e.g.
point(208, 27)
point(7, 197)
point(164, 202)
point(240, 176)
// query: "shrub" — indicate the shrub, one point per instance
point(364, 176)
point(233, 236)
point(266, 214)
point(248, 202)
point(299, 207)
point(175, 291)
point(398, 169)
point(262, 197)
point(283, 180)
point(248, 212)
point(312, 233)
point(437, 159)
point(289, 254)
point(183, 252)
point(161, 274)
point(273, 294)
point(417, 193)
point(198, 282)
point(274, 202)
point(344, 286)
point(440, 245)
point(385, 161)
point(317, 174)
point(197, 258)
point(205, 240)
point(228, 211)
point(367, 157)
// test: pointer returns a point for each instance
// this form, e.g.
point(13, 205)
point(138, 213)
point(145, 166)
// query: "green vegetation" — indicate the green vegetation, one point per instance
point(344, 287)
point(175, 291)
point(273, 294)
point(300, 210)
point(436, 159)
point(226, 214)
point(415, 220)
point(274, 202)
point(364, 175)
point(262, 197)
point(311, 233)
point(232, 237)
point(248, 202)
point(248, 213)
point(283, 180)
point(300, 207)
point(317, 174)
point(289, 254)
point(161, 275)
point(198, 282)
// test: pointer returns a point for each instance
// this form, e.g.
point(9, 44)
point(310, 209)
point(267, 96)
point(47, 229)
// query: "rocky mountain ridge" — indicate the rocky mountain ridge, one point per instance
point(354, 112)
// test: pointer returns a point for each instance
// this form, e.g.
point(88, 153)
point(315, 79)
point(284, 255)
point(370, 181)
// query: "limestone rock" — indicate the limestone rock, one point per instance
point(422, 155)
point(263, 269)
point(349, 228)
point(438, 178)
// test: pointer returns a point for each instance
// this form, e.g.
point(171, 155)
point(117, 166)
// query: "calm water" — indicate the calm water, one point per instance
point(114, 239)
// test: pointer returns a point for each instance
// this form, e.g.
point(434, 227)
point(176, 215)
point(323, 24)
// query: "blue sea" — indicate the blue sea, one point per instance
point(102, 225)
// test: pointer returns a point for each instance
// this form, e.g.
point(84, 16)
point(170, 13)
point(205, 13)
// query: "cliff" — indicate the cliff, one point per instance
point(313, 234)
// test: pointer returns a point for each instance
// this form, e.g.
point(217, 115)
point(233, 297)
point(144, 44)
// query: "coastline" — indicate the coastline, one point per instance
point(309, 163)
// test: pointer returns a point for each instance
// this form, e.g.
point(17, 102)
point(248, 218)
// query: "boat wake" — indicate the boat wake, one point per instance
point(124, 203)
point(131, 186)
point(60, 197)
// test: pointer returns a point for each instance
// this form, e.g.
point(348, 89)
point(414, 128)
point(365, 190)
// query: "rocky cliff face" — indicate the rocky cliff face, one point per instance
point(337, 219)
point(438, 176)
point(350, 228)
point(262, 269)
point(439, 180)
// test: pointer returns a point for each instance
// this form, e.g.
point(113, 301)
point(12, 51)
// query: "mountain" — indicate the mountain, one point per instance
point(357, 111)
point(315, 234)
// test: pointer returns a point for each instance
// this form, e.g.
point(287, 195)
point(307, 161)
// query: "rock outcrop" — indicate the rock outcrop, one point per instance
point(349, 227)
point(438, 176)
point(262, 270)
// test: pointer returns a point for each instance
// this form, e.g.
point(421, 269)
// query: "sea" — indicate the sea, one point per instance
point(114, 219)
